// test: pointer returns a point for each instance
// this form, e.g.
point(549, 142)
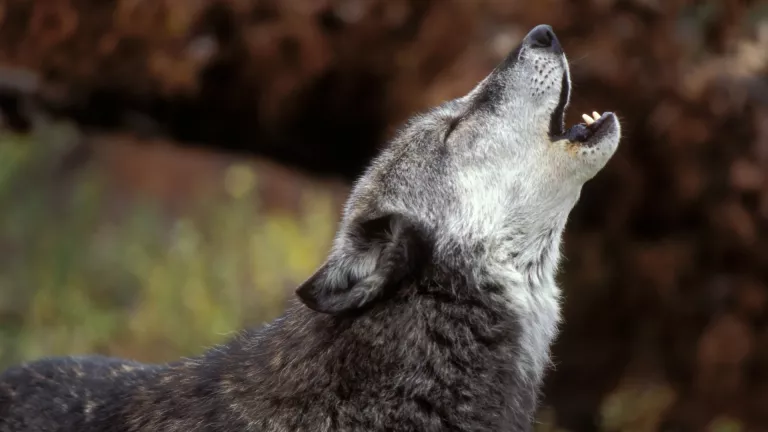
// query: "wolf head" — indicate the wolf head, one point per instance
point(482, 184)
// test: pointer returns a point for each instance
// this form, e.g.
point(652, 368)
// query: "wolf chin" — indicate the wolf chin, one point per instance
point(434, 310)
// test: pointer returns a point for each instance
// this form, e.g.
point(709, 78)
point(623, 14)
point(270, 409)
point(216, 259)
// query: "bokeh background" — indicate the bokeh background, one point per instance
point(170, 170)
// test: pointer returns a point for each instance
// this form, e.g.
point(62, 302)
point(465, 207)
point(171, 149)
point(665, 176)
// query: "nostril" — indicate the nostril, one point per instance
point(542, 37)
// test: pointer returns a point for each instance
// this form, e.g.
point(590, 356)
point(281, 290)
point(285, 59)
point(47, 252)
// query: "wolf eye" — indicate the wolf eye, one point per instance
point(452, 124)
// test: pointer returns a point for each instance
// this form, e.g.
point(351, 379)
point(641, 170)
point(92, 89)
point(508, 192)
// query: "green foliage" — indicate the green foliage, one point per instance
point(636, 406)
point(76, 279)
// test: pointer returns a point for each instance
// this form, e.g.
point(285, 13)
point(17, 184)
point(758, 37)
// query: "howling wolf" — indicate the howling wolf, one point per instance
point(434, 310)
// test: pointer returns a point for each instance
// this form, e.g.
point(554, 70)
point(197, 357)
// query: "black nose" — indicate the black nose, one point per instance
point(543, 37)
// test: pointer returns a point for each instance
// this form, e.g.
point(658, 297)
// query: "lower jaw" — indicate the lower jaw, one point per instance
point(583, 133)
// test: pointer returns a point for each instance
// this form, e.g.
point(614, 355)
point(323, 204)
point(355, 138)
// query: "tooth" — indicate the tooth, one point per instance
point(587, 119)
point(596, 115)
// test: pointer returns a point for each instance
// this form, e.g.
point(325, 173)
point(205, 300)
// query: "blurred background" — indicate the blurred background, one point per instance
point(170, 170)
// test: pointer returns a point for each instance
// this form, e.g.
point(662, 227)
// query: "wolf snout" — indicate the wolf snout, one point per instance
point(542, 37)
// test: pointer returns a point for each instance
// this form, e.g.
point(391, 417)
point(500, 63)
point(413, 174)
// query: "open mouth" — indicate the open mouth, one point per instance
point(592, 126)
point(580, 132)
point(583, 133)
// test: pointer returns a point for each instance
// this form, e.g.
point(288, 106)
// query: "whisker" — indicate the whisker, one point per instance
point(575, 61)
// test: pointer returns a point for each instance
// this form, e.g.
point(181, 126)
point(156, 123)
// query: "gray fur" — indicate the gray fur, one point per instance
point(434, 311)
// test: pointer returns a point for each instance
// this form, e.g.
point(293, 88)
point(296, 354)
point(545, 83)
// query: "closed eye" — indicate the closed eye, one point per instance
point(452, 124)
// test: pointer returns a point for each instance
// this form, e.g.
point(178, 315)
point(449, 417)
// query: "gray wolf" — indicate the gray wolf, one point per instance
point(434, 310)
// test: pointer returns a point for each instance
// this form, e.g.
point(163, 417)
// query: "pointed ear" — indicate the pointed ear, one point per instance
point(374, 255)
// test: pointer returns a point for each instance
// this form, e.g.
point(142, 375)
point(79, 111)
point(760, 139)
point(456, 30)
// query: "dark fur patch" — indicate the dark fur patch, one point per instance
point(557, 120)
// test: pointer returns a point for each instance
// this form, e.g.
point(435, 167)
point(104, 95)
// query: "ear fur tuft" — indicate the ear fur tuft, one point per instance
point(376, 254)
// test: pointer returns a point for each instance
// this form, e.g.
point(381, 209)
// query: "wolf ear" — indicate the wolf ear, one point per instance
point(374, 254)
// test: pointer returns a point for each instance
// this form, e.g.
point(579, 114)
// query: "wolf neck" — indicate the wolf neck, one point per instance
point(525, 264)
point(533, 293)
